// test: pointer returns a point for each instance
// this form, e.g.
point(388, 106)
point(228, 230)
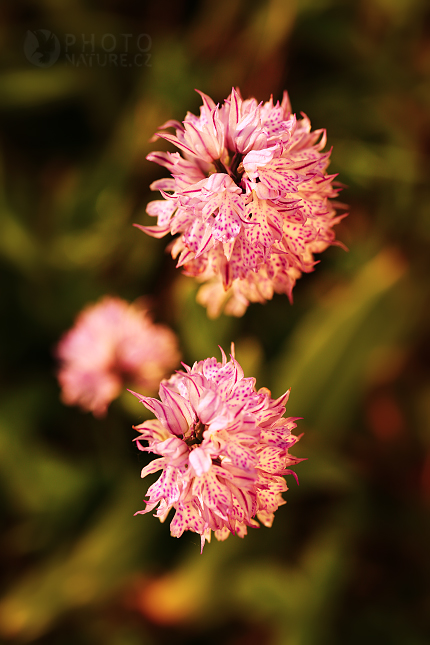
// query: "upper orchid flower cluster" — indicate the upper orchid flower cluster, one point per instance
point(249, 198)
point(223, 450)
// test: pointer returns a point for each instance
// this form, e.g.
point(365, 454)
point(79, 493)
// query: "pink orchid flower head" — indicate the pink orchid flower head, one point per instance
point(111, 343)
point(249, 200)
point(223, 450)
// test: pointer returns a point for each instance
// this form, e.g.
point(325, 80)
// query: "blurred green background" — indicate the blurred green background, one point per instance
point(347, 559)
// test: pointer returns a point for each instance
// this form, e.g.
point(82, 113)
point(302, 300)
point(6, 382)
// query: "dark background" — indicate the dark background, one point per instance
point(347, 559)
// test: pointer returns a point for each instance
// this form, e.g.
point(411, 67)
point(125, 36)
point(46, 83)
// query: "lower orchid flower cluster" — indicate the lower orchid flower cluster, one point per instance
point(224, 450)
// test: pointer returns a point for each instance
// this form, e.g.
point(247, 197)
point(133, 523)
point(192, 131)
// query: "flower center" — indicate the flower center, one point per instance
point(194, 435)
point(234, 169)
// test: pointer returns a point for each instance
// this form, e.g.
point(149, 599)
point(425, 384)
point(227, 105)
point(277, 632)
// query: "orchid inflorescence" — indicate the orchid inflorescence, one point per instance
point(248, 200)
point(224, 449)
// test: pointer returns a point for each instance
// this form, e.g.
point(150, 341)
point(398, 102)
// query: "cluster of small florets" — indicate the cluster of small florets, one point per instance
point(248, 198)
point(224, 450)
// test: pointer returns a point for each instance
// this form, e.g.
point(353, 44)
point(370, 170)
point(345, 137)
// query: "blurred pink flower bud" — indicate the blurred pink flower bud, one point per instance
point(113, 343)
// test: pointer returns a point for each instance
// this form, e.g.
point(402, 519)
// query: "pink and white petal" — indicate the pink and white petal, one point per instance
point(266, 518)
point(154, 466)
point(209, 406)
point(269, 500)
point(200, 461)
point(179, 407)
point(258, 158)
point(151, 430)
point(163, 210)
point(176, 142)
point(270, 460)
point(222, 534)
point(164, 184)
point(174, 450)
point(165, 487)
point(170, 421)
point(187, 518)
point(241, 456)
point(214, 494)
point(154, 231)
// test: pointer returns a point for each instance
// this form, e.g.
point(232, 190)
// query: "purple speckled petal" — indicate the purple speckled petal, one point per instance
point(187, 518)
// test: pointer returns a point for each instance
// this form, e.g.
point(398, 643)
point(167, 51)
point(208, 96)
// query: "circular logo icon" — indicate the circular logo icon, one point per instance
point(41, 47)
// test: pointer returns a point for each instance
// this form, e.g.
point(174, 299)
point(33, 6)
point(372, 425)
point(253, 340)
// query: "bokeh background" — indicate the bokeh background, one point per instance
point(347, 559)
